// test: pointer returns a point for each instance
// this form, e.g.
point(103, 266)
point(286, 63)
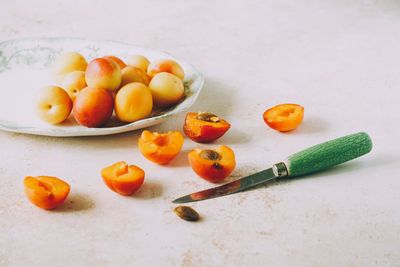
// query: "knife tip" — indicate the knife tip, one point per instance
point(181, 200)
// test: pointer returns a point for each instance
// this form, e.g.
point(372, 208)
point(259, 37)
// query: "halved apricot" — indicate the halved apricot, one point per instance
point(123, 178)
point(204, 127)
point(160, 148)
point(284, 117)
point(46, 192)
point(213, 165)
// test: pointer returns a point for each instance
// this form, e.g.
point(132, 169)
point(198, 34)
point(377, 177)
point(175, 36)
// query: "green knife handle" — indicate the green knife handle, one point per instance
point(328, 154)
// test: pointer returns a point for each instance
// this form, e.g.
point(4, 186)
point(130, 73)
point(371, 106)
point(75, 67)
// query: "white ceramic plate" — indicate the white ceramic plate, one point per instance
point(25, 68)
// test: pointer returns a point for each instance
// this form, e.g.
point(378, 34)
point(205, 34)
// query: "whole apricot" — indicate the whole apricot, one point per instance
point(133, 102)
point(117, 60)
point(133, 74)
point(103, 73)
point(68, 62)
point(138, 61)
point(165, 65)
point(167, 89)
point(54, 104)
point(93, 107)
point(73, 83)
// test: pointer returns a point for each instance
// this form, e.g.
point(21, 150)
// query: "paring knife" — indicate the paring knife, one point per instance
point(310, 160)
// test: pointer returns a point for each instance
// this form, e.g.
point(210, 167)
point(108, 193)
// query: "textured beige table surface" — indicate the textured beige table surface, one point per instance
point(340, 59)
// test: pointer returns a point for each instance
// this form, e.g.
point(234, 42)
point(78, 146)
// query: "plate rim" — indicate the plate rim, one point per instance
point(83, 131)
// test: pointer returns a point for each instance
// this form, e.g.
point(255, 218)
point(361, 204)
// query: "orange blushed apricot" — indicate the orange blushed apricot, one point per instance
point(103, 73)
point(165, 65)
point(117, 60)
point(204, 127)
point(46, 192)
point(284, 117)
point(160, 148)
point(123, 178)
point(213, 165)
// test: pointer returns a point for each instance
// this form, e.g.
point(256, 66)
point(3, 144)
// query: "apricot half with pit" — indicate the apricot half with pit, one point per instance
point(204, 127)
point(213, 165)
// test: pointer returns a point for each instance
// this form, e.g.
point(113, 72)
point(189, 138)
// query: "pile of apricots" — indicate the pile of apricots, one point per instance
point(213, 165)
point(93, 91)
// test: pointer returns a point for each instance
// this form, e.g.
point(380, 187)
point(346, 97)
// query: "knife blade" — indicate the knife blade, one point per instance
point(310, 160)
point(232, 187)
